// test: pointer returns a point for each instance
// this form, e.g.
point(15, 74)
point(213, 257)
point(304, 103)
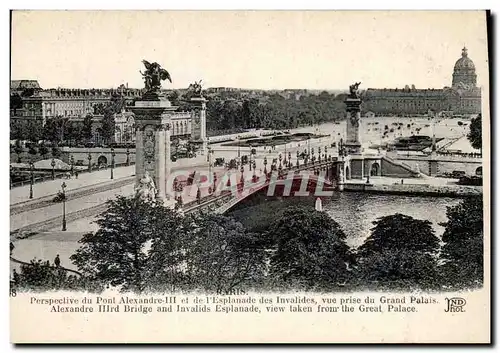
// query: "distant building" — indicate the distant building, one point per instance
point(19, 86)
point(463, 97)
point(38, 105)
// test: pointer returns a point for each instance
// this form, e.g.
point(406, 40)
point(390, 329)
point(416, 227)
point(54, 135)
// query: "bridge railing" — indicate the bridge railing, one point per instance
point(227, 195)
point(47, 175)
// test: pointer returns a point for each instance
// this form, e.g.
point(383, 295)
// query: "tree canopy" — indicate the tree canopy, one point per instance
point(118, 253)
point(401, 252)
point(462, 251)
point(308, 249)
point(475, 133)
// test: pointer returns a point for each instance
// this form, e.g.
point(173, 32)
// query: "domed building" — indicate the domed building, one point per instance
point(464, 72)
point(462, 98)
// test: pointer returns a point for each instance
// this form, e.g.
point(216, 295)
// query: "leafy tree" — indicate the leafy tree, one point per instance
point(118, 253)
point(43, 150)
point(74, 133)
point(475, 133)
point(309, 249)
point(56, 152)
point(33, 150)
point(220, 255)
point(399, 253)
point(16, 102)
point(34, 131)
point(400, 231)
point(38, 275)
point(18, 149)
point(107, 129)
point(87, 127)
point(173, 97)
point(54, 129)
point(462, 252)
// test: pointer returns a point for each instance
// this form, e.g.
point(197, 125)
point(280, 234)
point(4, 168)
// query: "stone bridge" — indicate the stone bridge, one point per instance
point(304, 179)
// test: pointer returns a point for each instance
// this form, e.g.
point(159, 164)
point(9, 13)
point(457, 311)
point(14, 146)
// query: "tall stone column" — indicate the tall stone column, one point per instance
point(152, 119)
point(353, 143)
point(199, 122)
point(167, 158)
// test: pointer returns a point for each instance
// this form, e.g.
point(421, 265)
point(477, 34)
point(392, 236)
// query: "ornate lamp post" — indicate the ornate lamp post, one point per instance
point(210, 153)
point(198, 194)
point(128, 156)
point(89, 157)
point(63, 187)
point(254, 177)
point(242, 177)
point(238, 146)
point(280, 167)
point(32, 180)
point(112, 161)
point(53, 164)
point(72, 161)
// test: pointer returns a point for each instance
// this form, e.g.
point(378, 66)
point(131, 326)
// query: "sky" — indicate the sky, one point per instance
point(254, 49)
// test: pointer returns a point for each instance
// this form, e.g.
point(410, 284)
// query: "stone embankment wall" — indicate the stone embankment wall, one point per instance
point(417, 189)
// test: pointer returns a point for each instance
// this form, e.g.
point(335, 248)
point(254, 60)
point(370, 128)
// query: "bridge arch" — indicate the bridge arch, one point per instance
point(297, 180)
point(375, 169)
point(102, 160)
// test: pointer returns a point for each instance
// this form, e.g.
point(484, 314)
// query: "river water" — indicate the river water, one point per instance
point(354, 211)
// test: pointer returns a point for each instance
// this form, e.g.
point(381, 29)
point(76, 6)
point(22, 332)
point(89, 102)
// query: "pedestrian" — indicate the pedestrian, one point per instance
point(76, 174)
point(401, 181)
point(57, 261)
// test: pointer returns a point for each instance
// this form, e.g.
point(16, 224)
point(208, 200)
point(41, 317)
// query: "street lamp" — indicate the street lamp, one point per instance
point(112, 161)
point(72, 161)
point(210, 176)
point(265, 164)
point(89, 157)
point(238, 146)
point(242, 178)
point(63, 187)
point(31, 179)
point(128, 156)
point(53, 164)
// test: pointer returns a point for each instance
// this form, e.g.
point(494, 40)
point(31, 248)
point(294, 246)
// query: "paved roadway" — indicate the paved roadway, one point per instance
point(50, 188)
point(92, 190)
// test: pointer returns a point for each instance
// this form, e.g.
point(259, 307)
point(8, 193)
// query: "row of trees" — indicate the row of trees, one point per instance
point(142, 247)
point(275, 113)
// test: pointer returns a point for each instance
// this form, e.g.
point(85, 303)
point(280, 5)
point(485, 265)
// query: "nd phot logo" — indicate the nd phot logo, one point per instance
point(455, 305)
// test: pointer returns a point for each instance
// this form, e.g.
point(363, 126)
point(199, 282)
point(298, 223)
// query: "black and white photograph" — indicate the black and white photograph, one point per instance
point(236, 155)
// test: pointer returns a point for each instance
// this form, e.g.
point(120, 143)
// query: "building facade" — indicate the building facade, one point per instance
point(462, 98)
point(35, 105)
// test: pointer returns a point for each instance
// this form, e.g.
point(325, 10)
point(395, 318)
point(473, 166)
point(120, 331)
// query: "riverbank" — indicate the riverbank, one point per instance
point(415, 189)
